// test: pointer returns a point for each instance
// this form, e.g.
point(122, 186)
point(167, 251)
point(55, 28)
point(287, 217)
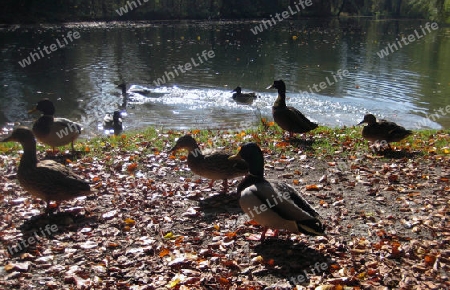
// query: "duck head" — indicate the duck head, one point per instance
point(185, 142)
point(45, 106)
point(23, 135)
point(279, 85)
point(252, 154)
point(369, 119)
point(237, 90)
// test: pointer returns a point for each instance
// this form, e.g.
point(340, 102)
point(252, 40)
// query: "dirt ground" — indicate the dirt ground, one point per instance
point(162, 227)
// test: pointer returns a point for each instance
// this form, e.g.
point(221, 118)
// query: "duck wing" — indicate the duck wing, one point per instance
point(66, 123)
point(53, 181)
point(277, 205)
point(392, 131)
point(292, 120)
point(384, 130)
point(294, 197)
point(301, 118)
point(216, 165)
point(63, 131)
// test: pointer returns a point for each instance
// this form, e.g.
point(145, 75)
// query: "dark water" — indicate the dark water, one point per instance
point(81, 77)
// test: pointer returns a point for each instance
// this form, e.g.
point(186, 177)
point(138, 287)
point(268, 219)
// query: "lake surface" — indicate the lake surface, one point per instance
point(81, 74)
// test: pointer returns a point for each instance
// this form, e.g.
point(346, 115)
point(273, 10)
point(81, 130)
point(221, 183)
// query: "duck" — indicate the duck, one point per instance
point(47, 179)
point(52, 131)
point(275, 205)
point(382, 131)
point(113, 121)
point(213, 166)
point(244, 98)
point(134, 89)
point(288, 118)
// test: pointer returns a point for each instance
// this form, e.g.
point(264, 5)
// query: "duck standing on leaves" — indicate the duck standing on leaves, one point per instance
point(382, 131)
point(274, 205)
point(46, 179)
point(288, 118)
point(213, 166)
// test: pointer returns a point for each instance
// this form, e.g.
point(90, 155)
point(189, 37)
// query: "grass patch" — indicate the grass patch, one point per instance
point(324, 142)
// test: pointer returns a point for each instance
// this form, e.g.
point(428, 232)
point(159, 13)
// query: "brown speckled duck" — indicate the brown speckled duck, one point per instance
point(289, 118)
point(213, 166)
point(52, 131)
point(382, 131)
point(46, 179)
point(274, 205)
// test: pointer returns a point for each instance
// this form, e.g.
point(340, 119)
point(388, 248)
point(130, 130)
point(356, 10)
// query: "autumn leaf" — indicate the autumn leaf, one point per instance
point(230, 235)
point(129, 222)
point(132, 167)
point(429, 260)
point(169, 235)
point(164, 252)
point(223, 281)
point(313, 187)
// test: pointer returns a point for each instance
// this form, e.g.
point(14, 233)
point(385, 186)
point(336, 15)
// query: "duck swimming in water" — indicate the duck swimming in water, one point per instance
point(244, 98)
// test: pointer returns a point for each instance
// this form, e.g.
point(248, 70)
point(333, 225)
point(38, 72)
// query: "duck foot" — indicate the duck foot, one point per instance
point(225, 186)
point(51, 208)
point(380, 147)
point(263, 234)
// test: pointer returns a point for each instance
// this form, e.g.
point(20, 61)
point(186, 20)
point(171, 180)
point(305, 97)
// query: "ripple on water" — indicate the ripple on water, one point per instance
point(206, 108)
point(189, 108)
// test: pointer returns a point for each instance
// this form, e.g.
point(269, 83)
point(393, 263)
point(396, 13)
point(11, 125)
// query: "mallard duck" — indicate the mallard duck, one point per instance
point(53, 131)
point(274, 204)
point(214, 166)
point(245, 98)
point(382, 131)
point(288, 118)
point(46, 179)
point(113, 121)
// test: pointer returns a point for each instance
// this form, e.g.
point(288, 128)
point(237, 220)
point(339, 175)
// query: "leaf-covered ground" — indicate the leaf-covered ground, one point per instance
point(154, 225)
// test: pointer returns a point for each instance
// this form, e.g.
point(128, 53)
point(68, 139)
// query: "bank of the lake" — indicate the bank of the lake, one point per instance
point(154, 224)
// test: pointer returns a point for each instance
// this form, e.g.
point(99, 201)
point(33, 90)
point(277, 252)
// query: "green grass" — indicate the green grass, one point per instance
point(322, 143)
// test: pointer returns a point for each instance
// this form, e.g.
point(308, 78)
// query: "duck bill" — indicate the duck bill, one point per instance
point(270, 87)
point(32, 110)
point(173, 150)
point(7, 139)
point(235, 157)
point(311, 229)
